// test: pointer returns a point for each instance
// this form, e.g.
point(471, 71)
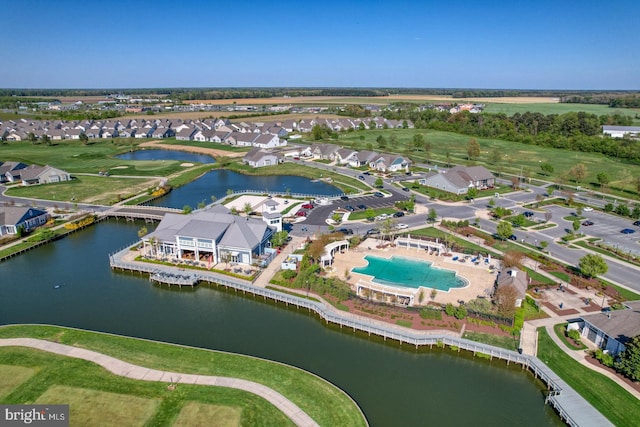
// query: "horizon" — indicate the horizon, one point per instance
point(545, 45)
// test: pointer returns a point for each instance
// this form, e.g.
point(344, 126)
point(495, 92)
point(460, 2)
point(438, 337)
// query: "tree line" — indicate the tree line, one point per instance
point(577, 131)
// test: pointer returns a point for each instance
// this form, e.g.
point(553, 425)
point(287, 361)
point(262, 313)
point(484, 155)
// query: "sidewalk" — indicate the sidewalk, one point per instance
point(128, 370)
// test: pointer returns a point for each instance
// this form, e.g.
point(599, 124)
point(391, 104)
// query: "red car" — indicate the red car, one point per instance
point(301, 213)
point(307, 206)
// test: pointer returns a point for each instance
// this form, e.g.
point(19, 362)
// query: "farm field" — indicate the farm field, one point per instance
point(556, 108)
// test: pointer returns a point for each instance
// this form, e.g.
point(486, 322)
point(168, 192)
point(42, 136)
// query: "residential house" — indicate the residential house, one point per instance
point(34, 175)
point(389, 163)
point(363, 158)
point(610, 331)
point(324, 151)
point(16, 218)
point(211, 235)
point(459, 179)
point(185, 132)
point(515, 278)
point(9, 169)
point(258, 157)
point(345, 155)
point(243, 139)
point(268, 141)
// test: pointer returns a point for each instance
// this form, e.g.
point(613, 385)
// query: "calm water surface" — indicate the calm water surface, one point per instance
point(217, 182)
point(394, 386)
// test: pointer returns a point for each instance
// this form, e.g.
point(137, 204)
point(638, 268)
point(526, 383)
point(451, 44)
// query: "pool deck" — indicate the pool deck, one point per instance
point(480, 280)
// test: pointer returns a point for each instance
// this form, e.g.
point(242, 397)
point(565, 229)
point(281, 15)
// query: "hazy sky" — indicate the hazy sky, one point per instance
point(543, 44)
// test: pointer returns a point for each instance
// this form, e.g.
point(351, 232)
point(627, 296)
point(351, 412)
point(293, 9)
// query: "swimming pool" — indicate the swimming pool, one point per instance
point(409, 273)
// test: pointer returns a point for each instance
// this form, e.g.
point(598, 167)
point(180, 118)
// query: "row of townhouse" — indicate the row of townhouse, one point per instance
point(343, 124)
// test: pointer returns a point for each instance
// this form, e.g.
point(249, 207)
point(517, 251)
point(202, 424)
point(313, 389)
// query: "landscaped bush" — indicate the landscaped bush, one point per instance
point(460, 312)
point(289, 274)
point(450, 309)
point(605, 358)
point(430, 313)
point(574, 334)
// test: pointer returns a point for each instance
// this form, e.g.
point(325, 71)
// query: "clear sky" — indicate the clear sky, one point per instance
point(517, 44)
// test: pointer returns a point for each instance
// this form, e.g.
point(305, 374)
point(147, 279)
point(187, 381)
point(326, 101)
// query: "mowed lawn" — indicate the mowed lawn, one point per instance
point(74, 157)
point(87, 189)
point(325, 403)
point(12, 376)
point(515, 158)
point(614, 402)
point(557, 108)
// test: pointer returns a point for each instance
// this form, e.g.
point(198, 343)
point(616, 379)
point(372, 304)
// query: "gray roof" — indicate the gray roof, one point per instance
point(515, 277)
point(474, 173)
point(621, 325)
point(12, 215)
point(622, 128)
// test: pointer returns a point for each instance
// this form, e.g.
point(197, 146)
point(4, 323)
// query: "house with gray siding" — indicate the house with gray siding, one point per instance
point(15, 218)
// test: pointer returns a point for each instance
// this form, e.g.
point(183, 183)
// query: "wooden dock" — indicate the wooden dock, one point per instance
point(571, 407)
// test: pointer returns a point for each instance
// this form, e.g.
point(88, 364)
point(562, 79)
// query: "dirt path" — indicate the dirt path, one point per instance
point(200, 150)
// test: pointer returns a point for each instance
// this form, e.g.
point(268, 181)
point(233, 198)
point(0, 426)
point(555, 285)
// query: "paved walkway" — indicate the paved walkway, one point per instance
point(141, 373)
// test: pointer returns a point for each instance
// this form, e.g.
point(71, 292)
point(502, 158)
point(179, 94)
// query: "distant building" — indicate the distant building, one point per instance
point(459, 179)
point(515, 278)
point(621, 131)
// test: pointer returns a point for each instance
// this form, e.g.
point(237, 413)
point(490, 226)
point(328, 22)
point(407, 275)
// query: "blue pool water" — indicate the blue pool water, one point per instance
point(409, 273)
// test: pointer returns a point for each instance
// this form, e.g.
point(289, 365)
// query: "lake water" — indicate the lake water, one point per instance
point(182, 156)
point(218, 182)
point(394, 385)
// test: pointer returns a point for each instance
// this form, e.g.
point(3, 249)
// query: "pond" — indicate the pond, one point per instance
point(181, 156)
point(218, 182)
point(394, 385)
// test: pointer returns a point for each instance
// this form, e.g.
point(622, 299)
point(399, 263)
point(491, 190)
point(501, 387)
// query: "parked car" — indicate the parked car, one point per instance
point(398, 214)
point(637, 223)
point(513, 237)
point(361, 177)
point(350, 208)
point(401, 226)
point(366, 173)
point(378, 194)
point(587, 209)
point(372, 231)
point(405, 189)
point(347, 231)
point(587, 223)
point(307, 206)
point(362, 207)
point(301, 213)
point(344, 197)
point(627, 231)
point(528, 214)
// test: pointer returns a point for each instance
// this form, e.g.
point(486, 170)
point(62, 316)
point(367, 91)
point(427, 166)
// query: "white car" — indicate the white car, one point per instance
point(402, 226)
point(587, 209)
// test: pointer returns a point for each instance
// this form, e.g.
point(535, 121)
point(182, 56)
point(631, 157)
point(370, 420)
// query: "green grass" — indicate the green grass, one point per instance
point(544, 226)
point(360, 215)
point(556, 108)
point(12, 376)
point(91, 407)
point(624, 293)
point(432, 232)
point(86, 189)
point(602, 251)
point(519, 156)
point(501, 341)
point(615, 403)
point(68, 380)
point(325, 403)
point(560, 329)
point(404, 323)
point(562, 276)
point(197, 414)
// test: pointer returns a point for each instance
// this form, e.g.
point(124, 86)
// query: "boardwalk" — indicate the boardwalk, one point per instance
point(572, 407)
point(135, 372)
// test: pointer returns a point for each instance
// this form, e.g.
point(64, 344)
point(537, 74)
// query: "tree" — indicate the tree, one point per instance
point(592, 265)
point(495, 155)
point(576, 225)
point(603, 179)
point(504, 230)
point(472, 193)
point(46, 140)
point(32, 137)
point(418, 141)
point(547, 216)
point(505, 298)
point(382, 141)
point(427, 149)
point(547, 168)
point(629, 360)
point(448, 157)
point(279, 238)
point(622, 210)
point(247, 208)
point(202, 204)
point(518, 220)
point(370, 214)
point(84, 138)
point(512, 259)
point(186, 209)
point(379, 183)
point(578, 172)
point(473, 149)
point(432, 215)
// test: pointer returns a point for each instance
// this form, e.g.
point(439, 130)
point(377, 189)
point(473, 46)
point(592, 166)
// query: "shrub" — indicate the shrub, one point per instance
point(605, 358)
point(460, 313)
point(574, 334)
point(450, 309)
point(289, 274)
point(430, 313)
